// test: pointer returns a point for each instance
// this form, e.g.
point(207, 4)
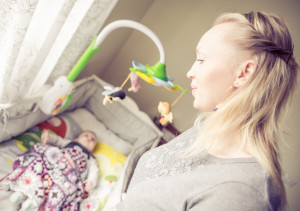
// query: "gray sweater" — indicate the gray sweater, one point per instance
point(164, 180)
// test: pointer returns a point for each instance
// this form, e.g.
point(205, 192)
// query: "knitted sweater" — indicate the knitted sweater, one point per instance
point(165, 180)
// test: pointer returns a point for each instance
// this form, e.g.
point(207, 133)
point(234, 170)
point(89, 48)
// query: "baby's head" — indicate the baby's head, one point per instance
point(87, 139)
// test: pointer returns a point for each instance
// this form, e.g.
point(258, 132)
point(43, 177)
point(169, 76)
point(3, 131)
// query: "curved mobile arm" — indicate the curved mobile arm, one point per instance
point(94, 46)
point(135, 25)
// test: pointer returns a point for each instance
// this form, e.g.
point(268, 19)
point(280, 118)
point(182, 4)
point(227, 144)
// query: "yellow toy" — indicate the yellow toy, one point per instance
point(164, 108)
point(165, 113)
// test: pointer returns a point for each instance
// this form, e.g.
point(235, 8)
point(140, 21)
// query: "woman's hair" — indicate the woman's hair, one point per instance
point(257, 108)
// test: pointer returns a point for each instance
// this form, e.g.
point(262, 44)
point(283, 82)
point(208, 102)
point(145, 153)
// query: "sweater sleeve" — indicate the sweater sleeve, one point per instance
point(229, 196)
point(58, 141)
point(93, 170)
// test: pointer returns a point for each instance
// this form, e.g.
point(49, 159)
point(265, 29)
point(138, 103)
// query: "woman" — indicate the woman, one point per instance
point(243, 78)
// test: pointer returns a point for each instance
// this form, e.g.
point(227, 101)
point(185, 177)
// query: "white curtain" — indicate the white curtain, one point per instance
point(41, 40)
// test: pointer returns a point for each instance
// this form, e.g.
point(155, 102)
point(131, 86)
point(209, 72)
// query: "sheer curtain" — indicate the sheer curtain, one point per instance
point(41, 40)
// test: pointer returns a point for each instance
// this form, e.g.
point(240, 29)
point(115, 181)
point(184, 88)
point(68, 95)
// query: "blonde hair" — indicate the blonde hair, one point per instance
point(256, 109)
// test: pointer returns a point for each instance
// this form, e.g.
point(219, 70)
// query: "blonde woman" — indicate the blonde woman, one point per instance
point(243, 78)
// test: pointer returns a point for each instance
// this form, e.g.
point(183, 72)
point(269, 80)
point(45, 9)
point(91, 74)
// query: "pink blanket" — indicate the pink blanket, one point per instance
point(50, 176)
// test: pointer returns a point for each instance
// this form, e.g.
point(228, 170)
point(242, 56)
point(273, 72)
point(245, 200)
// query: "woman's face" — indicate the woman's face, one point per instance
point(215, 69)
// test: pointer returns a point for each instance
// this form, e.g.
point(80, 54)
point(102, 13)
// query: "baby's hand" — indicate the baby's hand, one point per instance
point(45, 137)
point(87, 186)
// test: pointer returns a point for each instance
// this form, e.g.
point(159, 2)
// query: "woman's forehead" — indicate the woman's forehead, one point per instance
point(222, 31)
point(215, 38)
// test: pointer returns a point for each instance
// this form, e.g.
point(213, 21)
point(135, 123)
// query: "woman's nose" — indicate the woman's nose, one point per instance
point(190, 74)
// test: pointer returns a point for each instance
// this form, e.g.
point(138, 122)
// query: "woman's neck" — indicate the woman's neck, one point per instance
point(228, 148)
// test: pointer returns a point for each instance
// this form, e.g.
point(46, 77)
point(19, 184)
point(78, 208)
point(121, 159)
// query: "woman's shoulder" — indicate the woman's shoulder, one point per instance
point(231, 195)
point(245, 183)
point(245, 170)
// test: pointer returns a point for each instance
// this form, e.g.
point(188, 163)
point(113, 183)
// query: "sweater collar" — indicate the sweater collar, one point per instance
point(73, 143)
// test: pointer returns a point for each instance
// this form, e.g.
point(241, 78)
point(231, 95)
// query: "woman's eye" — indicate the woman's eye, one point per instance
point(200, 61)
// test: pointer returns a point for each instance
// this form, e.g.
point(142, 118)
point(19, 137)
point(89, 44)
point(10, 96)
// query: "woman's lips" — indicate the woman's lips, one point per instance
point(194, 89)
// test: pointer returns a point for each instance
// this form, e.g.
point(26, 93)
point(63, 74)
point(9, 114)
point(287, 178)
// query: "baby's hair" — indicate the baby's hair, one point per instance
point(92, 132)
point(89, 131)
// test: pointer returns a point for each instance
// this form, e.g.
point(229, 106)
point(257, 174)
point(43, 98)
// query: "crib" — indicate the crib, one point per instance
point(124, 133)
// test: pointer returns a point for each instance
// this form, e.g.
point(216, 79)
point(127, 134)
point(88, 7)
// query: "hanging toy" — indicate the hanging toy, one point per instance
point(113, 94)
point(135, 83)
point(164, 109)
point(166, 115)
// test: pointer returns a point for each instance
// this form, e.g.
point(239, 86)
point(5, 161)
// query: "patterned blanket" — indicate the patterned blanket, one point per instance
point(50, 176)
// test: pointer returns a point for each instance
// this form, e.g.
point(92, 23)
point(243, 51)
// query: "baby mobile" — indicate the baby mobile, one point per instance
point(59, 96)
point(155, 75)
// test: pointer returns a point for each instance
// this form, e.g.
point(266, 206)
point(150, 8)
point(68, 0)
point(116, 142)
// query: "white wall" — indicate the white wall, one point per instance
point(180, 24)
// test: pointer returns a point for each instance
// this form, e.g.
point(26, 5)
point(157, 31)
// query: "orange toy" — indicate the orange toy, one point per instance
point(164, 109)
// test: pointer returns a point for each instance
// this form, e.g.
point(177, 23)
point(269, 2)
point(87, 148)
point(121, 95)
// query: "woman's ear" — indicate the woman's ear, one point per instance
point(244, 73)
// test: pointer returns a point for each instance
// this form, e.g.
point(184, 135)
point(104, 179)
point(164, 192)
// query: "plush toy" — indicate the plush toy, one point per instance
point(135, 84)
point(164, 109)
point(113, 94)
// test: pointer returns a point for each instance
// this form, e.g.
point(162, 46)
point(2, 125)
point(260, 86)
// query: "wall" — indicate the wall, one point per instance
point(179, 25)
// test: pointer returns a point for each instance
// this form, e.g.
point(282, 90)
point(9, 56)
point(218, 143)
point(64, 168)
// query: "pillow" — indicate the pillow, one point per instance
point(87, 121)
point(62, 125)
point(110, 163)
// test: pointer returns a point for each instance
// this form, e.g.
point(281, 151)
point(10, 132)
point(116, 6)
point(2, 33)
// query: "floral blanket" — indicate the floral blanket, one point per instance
point(50, 176)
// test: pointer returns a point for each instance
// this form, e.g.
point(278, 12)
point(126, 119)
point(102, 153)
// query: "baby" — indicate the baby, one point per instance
point(56, 173)
point(88, 140)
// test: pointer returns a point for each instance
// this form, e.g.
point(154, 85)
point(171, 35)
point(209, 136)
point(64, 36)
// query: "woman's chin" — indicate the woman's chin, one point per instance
point(197, 106)
point(202, 108)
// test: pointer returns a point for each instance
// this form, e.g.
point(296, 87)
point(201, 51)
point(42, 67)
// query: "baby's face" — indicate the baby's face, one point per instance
point(88, 140)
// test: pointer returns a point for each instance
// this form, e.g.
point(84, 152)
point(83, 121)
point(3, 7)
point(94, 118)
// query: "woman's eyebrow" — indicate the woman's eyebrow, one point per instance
point(200, 50)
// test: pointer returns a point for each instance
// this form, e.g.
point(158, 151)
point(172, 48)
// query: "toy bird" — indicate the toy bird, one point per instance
point(113, 94)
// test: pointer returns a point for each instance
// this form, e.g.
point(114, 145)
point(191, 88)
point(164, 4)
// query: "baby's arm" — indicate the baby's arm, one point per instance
point(92, 178)
point(45, 137)
point(53, 139)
